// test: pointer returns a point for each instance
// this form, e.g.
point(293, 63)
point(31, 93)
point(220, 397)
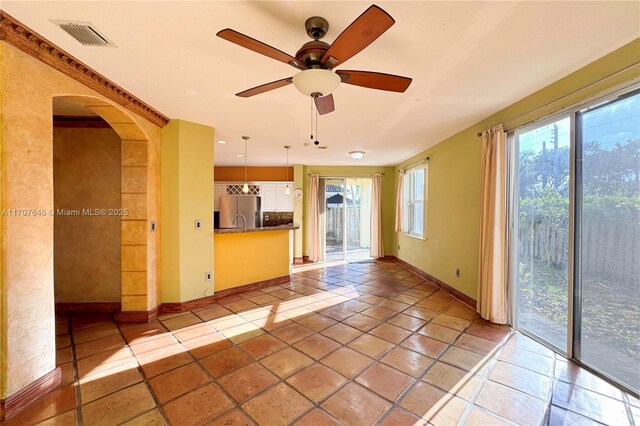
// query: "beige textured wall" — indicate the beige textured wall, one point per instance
point(86, 175)
point(26, 171)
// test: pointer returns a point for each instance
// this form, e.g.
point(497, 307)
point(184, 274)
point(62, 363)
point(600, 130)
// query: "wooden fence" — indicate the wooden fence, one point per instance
point(335, 221)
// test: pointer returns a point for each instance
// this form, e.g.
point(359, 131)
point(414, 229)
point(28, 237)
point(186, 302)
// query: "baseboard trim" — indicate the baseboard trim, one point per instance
point(25, 396)
point(442, 285)
point(298, 260)
point(204, 301)
point(89, 307)
point(138, 316)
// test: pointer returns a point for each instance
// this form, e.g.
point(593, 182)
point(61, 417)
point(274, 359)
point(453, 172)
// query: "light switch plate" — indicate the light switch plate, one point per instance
point(198, 224)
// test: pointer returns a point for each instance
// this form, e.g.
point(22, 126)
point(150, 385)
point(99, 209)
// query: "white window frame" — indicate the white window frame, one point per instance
point(409, 201)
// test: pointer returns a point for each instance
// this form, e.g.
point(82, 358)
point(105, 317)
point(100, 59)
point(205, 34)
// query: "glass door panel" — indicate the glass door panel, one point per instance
point(358, 219)
point(541, 231)
point(334, 219)
point(607, 317)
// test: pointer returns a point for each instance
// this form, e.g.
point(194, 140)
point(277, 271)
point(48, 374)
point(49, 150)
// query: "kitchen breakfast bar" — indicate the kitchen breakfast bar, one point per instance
point(259, 256)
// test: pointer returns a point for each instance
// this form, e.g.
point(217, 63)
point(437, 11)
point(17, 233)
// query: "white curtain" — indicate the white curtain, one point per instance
point(377, 244)
point(400, 202)
point(313, 231)
point(492, 270)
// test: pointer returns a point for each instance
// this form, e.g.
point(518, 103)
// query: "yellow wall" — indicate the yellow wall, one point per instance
point(26, 168)
point(86, 248)
point(187, 196)
point(250, 257)
point(453, 212)
point(388, 196)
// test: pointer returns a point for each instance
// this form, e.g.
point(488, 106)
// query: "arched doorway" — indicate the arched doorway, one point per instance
point(130, 207)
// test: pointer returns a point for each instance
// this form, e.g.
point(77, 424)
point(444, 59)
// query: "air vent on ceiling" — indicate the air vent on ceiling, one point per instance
point(85, 32)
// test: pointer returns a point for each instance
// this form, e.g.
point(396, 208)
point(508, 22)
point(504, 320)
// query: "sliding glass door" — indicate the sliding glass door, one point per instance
point(607, 317)
point(541, 234)
point(575, 234)
point(334, 225)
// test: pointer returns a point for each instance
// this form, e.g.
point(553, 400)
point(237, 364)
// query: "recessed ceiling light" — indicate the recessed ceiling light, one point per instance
point(222, 142)
point(239, 155)
point(356, 155)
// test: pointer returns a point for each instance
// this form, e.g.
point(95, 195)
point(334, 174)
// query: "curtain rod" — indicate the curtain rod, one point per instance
point(605, 78)
point(425, 160)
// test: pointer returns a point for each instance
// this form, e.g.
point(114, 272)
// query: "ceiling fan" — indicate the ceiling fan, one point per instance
point(316, 59)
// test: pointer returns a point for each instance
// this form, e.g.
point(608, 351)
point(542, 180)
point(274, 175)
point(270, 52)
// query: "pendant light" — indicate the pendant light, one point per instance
point(245, 187)
point(287, 191)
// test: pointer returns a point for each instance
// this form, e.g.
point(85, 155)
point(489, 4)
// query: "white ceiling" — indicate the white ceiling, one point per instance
point(468, 60)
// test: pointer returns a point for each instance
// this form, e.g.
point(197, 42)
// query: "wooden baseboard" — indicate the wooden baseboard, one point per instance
point(89, 307)
point(138, 316)
point(204, 301)
point(442, 285)
point(25, 396)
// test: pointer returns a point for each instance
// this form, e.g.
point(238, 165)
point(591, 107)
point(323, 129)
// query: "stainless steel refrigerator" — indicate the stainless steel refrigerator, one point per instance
point(240, 211)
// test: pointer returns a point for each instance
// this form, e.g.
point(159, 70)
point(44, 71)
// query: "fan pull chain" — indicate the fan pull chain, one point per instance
point(317, 142)
point(311, 109)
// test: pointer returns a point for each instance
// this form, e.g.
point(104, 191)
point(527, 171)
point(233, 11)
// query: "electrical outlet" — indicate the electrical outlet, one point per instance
point(198, 224)
point(398, 246)
point(153, 227)
point(207, 276)
point(458, 272)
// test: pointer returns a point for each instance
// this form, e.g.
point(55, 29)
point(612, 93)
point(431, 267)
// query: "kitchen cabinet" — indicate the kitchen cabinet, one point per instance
point(284, 201)
point(269, 199)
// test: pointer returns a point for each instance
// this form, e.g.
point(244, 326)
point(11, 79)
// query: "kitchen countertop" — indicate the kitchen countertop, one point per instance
point(288, 227)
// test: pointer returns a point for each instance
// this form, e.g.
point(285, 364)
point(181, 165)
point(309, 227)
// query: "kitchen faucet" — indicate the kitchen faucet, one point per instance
point(244, 220)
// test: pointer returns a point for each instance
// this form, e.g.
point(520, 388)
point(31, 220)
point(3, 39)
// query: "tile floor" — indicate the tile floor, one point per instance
point(355, 344)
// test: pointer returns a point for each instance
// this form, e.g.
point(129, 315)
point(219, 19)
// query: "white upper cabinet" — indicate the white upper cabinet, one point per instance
point(284, 201)
point(269, 201)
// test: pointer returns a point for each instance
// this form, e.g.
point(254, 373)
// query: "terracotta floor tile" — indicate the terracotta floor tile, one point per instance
point(356, 305)
point(439, 332)
point(521, 379)
point(420, 313)
point(341, 333)
point(176, 382)
point(401, 417)
point(316, 322)
point(478, 416)
point(466, 360)
point(316, 417)
point(235, 417)
point(425, 345)
point(407, 322)
point(317, 346)
point(477, 344)
point(225, 362)
point(247, 381)
point(490, 332)
point(378, 313)
point(242, 333)
point(452, 380)
point(54, 403)
point(228, 321)
point(93, 333)
point(272, 323)
point(113, 359)
point(589, 404)
point(460, 310)
point(150, 418)
point(433, 404)
point(451, 322)
point(355, 405)
point(99, 385)
point(93, 347)
point(152, 365)
point(118, 407)
point(139, 333)
point(511, 404)
point(347, 362)
point(64, 355)
point(241, 305)
point(207, 345)
point(371, 299)
point(195, 331)
point(82, 321)
point(261, 346)
point(391, 333)
point(532, 361)
point(66, 419)
point(371, 346)
point(292, 333)
point(316, 382)
point(407, 361)
point(197, 406)
point(277, 406)
point(286, 362)
point(572, 373)
point(362, 322)
point(152, 345)
point(68, 372)
point(338, 313)
point(385, 381)
point(213, 312)
point(394, 305)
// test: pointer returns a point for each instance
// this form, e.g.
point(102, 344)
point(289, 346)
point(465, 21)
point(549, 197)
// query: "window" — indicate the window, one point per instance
point(414, 198)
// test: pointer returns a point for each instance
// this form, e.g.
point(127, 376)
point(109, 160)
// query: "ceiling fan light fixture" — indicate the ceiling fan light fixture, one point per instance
point(313, 81)
point(356, 155)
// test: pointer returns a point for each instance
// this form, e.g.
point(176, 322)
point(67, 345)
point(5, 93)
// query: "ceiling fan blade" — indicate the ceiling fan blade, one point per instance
point(375, 80)
point(361, 33)
point(260, 47)
point(264, 88)
point(324, 104)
